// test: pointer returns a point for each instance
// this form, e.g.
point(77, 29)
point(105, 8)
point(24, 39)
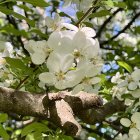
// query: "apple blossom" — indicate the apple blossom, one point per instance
point(59, 73)
point(53, 23)
point(37, 50)
point(134, 125)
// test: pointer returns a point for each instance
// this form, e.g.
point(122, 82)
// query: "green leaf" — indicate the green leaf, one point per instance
point(137, 30)
point(15, 63)
point(101, 13)
point(39, 127)
point(64, 137)
point(120, 4)
point(88, 24)
point(135, 60)
point(40, 3)
point(109, 3)
point(62, 14)
point(30, 137)
point(3, 133)
point(10, 29)
point(37, 135)
point(24, 7)
point(3, 117)
point(11, 12)
point(125, 65)
point(79, 14)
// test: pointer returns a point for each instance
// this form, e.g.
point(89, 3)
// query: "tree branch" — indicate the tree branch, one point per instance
point(106, 22)
point(121, 31)
point(99, 115)
point(56, 107)
point(60, 108)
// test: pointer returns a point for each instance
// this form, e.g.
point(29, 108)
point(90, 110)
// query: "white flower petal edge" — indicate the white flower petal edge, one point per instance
point(125, 122)
point(47, 77)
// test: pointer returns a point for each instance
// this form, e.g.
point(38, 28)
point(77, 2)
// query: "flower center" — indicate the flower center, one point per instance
point(60, 75)
point(133, 125)
point(86, 80)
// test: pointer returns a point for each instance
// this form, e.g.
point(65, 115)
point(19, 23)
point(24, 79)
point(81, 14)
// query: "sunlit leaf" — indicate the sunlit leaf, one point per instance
point(40, 3)
point(3, 133)
point(125, 65)
point(11, 12)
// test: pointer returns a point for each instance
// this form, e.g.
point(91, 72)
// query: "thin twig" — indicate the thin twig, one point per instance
point(106, 22)
point(123, 30)
point(23, 81)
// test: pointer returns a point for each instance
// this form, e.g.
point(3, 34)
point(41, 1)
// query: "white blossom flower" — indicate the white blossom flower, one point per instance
point(118, 92)
point(53, 23)
point(136, 93)
point(122, 137)
point(134, 125)
point(59, 73)
point(116, 78)
point(89, 32)
point(133, 79)
point(6, 49)
point(90, 78)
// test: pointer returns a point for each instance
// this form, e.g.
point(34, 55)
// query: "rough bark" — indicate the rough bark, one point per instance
point(60, 108)
point(92, 116)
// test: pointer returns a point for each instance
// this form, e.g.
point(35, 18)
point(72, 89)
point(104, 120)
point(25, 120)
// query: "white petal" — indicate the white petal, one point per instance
point(57, 18)
point(92, 71)
point(89, 89)
point(53, 62)
point(49, 21)
point(95, 80)
point(135, 117)
point(47, 77)
point(74, 77)
point(122, 83)
point(125, 122)
point(57, 62)
point(128, 102)
point(134, 133)
point(66, 62)
point(41, 85)
point(88, 31)
point(29, 46)
point(78, 88)
point(132, 85)
point(60, 84)
point(136, 93)
point(136, 75)
point(138, 125)
point(38, 58)
point(79, 40)
point(66, 46)
point(54, 40)
point(92, 48)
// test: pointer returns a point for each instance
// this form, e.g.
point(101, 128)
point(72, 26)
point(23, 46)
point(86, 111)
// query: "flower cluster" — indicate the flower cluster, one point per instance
point(71, 56)
point(126, 83)
point(133, 124)
point(6, 50)
point(129, 84)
